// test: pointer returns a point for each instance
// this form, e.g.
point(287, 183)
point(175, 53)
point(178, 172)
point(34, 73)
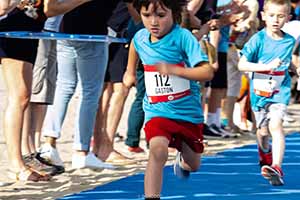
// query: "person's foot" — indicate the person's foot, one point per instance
point(178, 170)
point(89, 161)
point(273, 174)
point(51, 155)
point(228, 133)
point(209, 132)
point(221, 132)
point(234, 129)
point(265, 158)
point(50, 168)
point(28, 174)
point(116, 158)
point(35, 162)
point(136, 149)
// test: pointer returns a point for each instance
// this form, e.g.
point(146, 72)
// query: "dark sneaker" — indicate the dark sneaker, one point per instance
point(223, 133)
point(228, 133)
point(35, 164)
point(53, 169)
point(265, 158)
point(178, 170)
point(210, 132)
point(273, 174)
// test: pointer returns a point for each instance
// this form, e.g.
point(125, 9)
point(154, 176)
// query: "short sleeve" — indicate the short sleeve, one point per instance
point(192, 49)
point(250, 50)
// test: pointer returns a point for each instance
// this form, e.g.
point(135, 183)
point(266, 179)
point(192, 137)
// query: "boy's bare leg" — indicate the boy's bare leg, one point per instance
point(262, 135)
point(191, 160)
point(278, 141)
point(158, 156)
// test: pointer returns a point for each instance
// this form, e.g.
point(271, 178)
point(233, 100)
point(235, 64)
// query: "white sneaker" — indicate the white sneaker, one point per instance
point(89, 161)
point(51, 155)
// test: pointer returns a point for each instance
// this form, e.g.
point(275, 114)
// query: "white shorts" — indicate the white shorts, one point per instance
point(273, 110)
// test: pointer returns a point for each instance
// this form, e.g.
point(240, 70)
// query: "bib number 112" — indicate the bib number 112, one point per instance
point(162, 80)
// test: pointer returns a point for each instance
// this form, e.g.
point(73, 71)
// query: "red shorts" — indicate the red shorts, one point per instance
point(176, 132)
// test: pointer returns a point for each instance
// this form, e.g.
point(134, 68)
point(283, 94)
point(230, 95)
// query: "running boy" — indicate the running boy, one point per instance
point(173, 63)
point(268, 55)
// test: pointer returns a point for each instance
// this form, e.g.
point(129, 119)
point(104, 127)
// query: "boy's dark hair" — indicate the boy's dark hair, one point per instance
point(175, 5)
point(278, 2)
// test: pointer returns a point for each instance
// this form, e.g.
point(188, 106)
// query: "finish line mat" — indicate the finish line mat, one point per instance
point(230, 175)
point(61, 36)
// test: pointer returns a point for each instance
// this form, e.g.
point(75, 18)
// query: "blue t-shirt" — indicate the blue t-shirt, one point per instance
point(263, 49)
point(178, 46)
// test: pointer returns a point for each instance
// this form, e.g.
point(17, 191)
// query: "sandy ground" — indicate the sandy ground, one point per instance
point(75, 181)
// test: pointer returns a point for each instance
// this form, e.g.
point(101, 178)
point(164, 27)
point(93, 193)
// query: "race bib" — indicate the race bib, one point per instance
point(266, 83)
point(163, 88)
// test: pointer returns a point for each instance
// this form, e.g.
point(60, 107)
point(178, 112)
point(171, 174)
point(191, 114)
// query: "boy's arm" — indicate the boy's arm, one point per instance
point(295, 64)
point(58, 7)
point(202, 72)
point(129, 77)
point(246, 66)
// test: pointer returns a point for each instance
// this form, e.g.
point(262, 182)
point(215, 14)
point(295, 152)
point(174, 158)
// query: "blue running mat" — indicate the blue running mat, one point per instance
point(230, 175)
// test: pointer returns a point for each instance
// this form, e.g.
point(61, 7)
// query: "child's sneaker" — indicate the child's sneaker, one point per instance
point(178, 170)
point(272, 173)
point(265, 158)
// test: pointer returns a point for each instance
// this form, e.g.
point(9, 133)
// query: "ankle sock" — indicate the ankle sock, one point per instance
point(211, 118)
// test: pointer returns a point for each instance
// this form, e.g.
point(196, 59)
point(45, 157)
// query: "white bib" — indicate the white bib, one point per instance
point(163, 88)
point(266, 83)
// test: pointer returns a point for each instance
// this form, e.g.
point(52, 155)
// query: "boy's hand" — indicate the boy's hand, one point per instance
point(165, 69)
point(129, 79)
point(214, 24)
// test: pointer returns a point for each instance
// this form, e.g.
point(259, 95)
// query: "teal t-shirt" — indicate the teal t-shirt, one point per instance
point(178, 46)
point(263, 49)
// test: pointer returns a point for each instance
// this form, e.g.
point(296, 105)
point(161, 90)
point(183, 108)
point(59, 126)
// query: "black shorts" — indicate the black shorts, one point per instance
point(19, 49)
point(220, 78)
point(118, 56)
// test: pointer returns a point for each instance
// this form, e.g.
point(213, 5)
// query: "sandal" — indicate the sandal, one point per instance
point(28, 174)
point(116, 158)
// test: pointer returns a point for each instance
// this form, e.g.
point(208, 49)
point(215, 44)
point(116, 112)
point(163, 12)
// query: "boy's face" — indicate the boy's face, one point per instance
point(275, 16)
point(157, 21)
